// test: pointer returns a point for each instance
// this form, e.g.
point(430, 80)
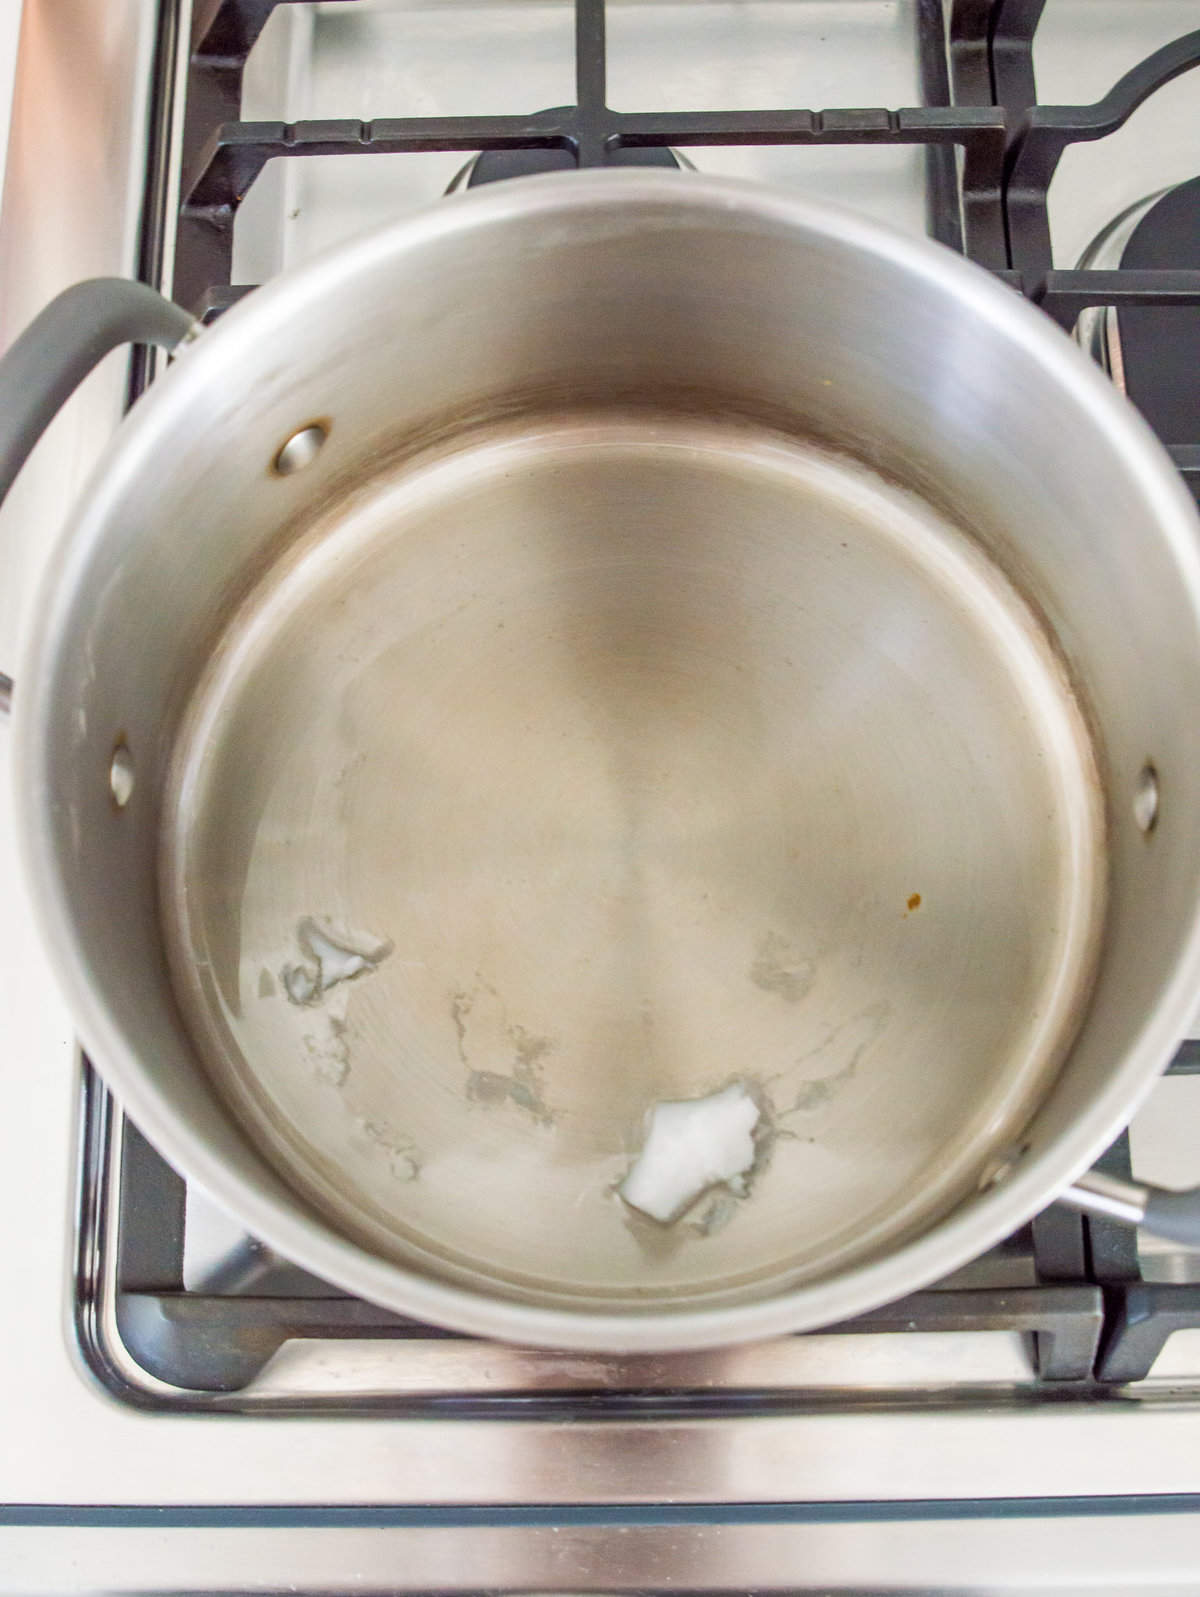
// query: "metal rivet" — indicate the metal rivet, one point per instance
point(1001, 1167)
point(120, 776)
point(300, 450)
point(999, 1170)
point(1145, 798)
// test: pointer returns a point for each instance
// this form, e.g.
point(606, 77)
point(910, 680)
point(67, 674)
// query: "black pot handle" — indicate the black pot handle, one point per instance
point(60, 347)
point(62, 344)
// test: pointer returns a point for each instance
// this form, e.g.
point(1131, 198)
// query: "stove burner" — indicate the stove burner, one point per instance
point(1160, 345)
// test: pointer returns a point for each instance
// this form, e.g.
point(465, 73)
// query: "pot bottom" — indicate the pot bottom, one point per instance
point(602, 762)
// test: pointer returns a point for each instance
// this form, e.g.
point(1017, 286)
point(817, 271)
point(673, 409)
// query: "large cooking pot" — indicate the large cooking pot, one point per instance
point(615, 764)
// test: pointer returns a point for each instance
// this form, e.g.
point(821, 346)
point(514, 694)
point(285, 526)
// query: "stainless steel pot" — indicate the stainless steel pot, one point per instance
point(609, 640)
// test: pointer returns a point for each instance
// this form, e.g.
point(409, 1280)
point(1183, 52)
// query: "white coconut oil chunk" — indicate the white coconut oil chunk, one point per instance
point(692, 1144)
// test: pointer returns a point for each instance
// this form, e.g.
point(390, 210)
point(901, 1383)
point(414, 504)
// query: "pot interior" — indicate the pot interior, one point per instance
point(606, 760)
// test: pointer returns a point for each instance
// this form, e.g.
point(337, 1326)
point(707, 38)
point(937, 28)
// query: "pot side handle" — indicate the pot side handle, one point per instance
point(58, 349)
point(1173, 1215)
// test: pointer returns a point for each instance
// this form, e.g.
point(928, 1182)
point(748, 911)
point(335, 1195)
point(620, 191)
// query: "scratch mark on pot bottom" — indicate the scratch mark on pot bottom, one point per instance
point(851, 1040)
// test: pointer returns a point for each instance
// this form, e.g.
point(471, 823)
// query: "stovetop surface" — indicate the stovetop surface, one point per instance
point(161, 1357)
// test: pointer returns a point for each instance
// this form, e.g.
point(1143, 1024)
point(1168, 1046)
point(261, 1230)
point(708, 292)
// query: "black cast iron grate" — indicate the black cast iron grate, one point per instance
point(976, 74)
point(991, 151)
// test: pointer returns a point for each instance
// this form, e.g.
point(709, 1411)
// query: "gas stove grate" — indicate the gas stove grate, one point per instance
point(976, 73)
point(990, 156)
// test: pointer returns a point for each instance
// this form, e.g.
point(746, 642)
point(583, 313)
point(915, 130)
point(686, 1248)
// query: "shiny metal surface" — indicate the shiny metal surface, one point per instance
point(1075, 1555)
point(620, 733)
point(1095, 1192)
point(300, 450)
point(655, 257)
point(70, 1444)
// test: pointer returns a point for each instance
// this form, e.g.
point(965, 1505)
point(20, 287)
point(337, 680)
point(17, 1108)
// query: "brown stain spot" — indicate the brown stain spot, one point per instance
point(914, 901)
